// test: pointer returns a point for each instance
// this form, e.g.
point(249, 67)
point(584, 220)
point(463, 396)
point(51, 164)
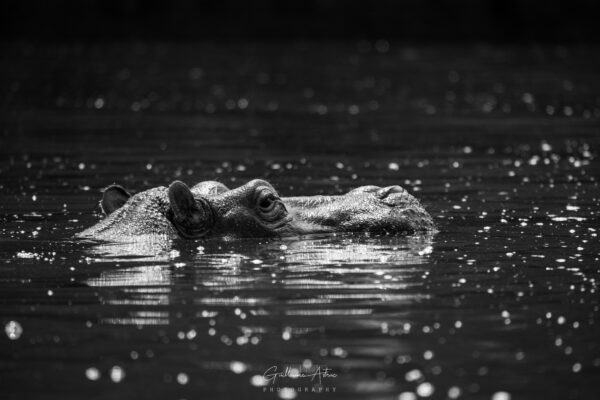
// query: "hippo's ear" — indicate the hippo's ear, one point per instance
point(191, 217)
point(113, 198)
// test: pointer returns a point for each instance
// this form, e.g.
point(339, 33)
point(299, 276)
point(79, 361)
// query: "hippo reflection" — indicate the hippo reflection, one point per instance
point(210, 209)
point(344, 274)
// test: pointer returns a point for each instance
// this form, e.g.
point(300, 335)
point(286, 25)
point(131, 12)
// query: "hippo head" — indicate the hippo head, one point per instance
point(256, 210)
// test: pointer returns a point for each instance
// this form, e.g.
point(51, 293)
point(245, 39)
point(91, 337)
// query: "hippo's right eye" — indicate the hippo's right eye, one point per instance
point(267, 202)
point(270, 206)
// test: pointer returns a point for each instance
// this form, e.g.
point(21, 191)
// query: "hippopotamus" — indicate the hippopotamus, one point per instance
point(210, 209)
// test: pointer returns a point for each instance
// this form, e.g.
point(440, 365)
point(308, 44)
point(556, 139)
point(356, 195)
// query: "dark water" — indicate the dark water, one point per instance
point(500, 144)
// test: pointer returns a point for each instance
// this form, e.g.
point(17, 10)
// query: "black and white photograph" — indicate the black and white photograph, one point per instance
point(299, 199)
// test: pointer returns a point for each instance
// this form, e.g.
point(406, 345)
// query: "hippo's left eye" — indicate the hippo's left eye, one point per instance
point(270, 206)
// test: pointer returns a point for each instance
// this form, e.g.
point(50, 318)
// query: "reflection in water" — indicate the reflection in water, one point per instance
point(147, 275)
point(352, 251)
point(339, 274)
point(145, 248)
point(328, 290)
point(147, 285)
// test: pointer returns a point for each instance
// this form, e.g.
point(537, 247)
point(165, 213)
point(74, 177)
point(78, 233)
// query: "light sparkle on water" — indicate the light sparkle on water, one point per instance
point(92, 373)
point(13, 330)
point(238, 367)
point(182, 378)
point(117, 374)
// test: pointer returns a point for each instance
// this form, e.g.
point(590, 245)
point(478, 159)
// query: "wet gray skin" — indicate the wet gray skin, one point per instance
point(210, 209)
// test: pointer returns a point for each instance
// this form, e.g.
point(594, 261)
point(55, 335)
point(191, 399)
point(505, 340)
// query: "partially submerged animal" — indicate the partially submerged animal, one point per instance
point(210, 209)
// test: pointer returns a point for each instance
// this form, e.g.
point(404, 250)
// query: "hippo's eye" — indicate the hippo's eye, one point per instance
point(267, 202)
point(270, 206)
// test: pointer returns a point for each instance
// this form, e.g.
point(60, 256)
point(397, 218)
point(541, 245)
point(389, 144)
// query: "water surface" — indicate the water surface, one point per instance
point(500, 144)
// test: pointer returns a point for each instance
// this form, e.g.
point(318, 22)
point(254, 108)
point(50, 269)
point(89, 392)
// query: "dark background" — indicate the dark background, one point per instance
point(415, 20)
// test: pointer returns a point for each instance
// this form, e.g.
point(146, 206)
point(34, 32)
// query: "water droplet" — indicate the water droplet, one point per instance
point(13, 330)
point(527, 98)
point(99, 103)
point(258, 380)
point(425, 389)
point(92, 374)
point(287, 393)
point(339, 352)
point(407, 396)
point(182, 378)
point(238, 367)
point(242, 103)
point(501, 396)
point(454, 392)
point(286, 334)
point(413, 375)
point(545, 146)
point(117, 374)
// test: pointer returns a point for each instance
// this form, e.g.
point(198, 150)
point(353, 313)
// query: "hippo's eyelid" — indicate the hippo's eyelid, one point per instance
point(269, 206)
point(264, 193)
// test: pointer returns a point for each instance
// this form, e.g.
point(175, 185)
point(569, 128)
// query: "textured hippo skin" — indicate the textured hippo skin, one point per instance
point(210, 209)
